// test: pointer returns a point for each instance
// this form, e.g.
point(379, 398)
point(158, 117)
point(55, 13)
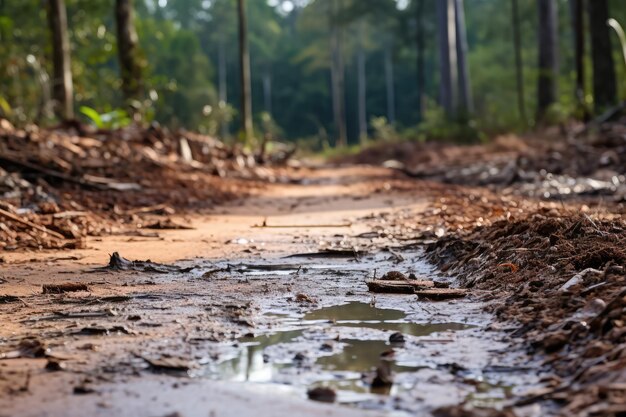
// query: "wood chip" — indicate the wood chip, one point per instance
point(398, 287)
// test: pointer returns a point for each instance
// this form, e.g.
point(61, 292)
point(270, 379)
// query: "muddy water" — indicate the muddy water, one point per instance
point(342, 341)
point(272, 331)
point(343, 361)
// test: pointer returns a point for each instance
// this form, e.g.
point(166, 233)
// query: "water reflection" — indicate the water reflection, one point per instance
point(250, 365)
point(345, 365)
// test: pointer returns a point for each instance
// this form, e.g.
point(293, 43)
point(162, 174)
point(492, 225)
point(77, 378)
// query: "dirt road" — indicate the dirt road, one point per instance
point(263, 301)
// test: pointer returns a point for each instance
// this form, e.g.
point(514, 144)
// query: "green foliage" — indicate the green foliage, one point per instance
point(382, 130)
point(113, 119)
point(5, 107)
point(180, 43)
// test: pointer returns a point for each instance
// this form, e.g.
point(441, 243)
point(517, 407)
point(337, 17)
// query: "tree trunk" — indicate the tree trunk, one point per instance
point(127, 48)
point(244, 74)
point(343, 135)
point(548, 59)
point(577, 9)
point(519, 63)
point(466, 99)
point(446, 25)
point(604, 83)
point(337, 78)
point(222, 83)
point(421, 74)
point(62, 86)
point(267, 92)
point(390, 85)
point(362, 86)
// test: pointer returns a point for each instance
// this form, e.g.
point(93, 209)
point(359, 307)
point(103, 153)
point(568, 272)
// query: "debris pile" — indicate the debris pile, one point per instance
point(564, 273)
point(546, 167)
point(59, 185)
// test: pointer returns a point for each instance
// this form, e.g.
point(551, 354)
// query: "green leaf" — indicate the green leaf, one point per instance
point(5, 107)
point(93, 116)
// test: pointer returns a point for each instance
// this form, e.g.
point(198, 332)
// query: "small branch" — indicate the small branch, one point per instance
point(32, 225)
point(264, 225)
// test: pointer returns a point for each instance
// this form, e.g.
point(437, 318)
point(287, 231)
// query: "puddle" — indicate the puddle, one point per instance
point(337, 346)
point(295, 346)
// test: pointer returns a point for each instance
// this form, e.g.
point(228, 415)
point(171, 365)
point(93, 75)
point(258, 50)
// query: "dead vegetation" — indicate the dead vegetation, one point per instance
point(62, 184)
point(546, 166)
point(560, 276)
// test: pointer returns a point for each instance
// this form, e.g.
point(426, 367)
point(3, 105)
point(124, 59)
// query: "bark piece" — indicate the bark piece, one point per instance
point(398, 287)
point(64, 287)
point(438, 294)
point(169, 364)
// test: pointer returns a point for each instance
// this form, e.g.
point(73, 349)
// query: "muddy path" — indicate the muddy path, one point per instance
point(267, 302)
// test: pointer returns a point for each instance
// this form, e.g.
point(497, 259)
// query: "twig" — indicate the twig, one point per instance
point(32, 225)
point(300, 226)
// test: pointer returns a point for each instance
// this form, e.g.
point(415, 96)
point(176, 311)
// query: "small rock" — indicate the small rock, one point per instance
point(82, 390)
point(394, 276)
point(595, 306)
point(326, 347)
point(322, 394)
point(303, 298)
point(54, 365)
point(554, 342)
point(384, 377)
point(397, 337)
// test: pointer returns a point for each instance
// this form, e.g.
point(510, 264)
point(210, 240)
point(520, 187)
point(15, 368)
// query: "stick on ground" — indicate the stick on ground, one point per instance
point(32, 225)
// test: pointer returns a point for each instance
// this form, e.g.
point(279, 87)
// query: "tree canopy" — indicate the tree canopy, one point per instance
point(187, 46)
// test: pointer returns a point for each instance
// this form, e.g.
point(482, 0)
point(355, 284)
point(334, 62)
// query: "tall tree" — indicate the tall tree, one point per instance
point(127, 49)
point(604, 84)
point(222, 83)
point(548, 57)
point(446, 26)
point(466, 98)
point(421, 71)
point(519, 66)
point(362, 83)
point(337, 71)
point(244, 74)
point(62, 86)
point(390, 84)
point(578, 30)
